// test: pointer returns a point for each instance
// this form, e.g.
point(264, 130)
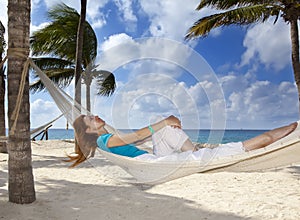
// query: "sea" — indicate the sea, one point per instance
point(201, 136)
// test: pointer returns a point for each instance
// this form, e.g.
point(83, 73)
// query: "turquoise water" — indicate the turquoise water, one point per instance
point(201, 136)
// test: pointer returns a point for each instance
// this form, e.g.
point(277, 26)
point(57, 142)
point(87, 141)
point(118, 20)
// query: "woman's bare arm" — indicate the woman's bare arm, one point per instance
point(141, 134)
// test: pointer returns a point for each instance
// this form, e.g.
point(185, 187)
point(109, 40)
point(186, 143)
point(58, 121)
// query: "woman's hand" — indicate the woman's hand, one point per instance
point(173, 121)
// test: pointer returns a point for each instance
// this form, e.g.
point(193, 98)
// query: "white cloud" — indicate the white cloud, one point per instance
point(252, 103)
point(126, 7)
point(71, 3)
point(127, 14)
point(93, 13)
point(94, 8)
point(35, 4)
point(150, 96)
point(170, 18)
point(115, 40)
point(268, 44)
point(43, 111)
point(120, 49)
point(34, 28)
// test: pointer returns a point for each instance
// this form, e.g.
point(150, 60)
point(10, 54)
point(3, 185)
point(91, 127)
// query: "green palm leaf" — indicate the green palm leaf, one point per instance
point(57, 42)
point(61, 77)
point(59, 37)
point(224, 5)
point(106, 83)
point(61, 72)
point(238, 16)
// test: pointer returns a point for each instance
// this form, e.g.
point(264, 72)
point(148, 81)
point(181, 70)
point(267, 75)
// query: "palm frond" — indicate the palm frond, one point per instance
point(228, 4)
point(59, 37)
point(61, 77)
point(45, 63)
point(106, 83)
point(59, 11)
point(238, 16)
point(2, 39)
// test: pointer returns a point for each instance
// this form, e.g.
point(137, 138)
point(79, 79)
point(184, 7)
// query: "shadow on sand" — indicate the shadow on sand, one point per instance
point(65, 199)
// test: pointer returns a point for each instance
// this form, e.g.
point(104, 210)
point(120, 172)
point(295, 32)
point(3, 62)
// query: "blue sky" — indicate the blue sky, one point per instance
point(245, 79)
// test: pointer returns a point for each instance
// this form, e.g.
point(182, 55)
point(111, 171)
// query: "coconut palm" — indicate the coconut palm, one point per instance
point(105, 82)
point(57, 44)
point(246, 12)
point(2, 90)
point(21, 184)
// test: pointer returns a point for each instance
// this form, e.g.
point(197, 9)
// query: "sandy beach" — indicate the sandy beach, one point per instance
point(86, 193)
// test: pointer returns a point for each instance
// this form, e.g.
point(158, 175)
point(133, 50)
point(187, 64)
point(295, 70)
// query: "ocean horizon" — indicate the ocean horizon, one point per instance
point(196, 135)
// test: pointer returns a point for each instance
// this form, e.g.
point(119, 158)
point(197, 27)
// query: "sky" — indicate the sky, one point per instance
point(235, 78)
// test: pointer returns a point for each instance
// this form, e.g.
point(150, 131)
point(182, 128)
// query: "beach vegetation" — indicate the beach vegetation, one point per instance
point(54, 48)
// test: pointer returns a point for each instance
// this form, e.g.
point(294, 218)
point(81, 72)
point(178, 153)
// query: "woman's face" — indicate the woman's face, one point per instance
point(94, 124)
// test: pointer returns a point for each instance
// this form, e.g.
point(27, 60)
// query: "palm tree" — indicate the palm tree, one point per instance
point(3, 148)
point(57, 44)
point(105, 82)
point(21, 184)
point(246, 12)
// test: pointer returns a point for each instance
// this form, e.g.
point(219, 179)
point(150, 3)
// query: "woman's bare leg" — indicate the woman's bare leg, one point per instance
point(268, 137)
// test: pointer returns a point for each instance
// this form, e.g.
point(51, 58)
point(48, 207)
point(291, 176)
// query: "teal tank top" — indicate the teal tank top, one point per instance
point(128, 150)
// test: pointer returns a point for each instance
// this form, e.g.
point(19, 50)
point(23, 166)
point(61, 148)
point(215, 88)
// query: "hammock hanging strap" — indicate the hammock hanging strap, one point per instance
point(12, 52)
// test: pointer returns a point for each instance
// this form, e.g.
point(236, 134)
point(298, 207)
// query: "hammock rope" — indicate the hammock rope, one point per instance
point(12, 52)
point(39, 129)
point(19, 52)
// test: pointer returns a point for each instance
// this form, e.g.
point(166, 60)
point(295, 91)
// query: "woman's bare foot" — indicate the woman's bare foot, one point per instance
point(279, 133)
point(269, 137)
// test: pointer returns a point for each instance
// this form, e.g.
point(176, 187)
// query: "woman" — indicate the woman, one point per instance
point(167, 138)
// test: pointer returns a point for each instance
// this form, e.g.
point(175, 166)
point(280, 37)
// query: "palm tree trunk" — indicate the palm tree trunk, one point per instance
point(21, 184)
point(295, 54)
point(3, 148)
point(79, 52)
point(88, 97)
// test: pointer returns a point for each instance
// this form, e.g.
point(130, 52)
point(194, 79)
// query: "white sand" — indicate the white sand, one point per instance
point(85, 193)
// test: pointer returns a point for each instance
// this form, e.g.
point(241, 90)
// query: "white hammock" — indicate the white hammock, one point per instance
point(158, 170)
point(34, 132)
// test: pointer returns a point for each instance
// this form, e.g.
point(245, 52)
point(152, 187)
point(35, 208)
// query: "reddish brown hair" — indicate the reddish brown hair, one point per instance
point(85, 143)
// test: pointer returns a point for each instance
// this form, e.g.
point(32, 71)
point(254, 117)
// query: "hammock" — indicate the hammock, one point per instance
point(36, 131)
point(154, 170)
point(281, 153)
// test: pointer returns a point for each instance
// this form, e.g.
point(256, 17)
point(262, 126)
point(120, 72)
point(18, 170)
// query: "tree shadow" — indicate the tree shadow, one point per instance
point(68, 198)
point(294, 170)
point(3, 178)
point(63, 199)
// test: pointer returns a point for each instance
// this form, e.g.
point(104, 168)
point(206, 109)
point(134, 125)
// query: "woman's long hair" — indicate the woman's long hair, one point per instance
point(85, 143)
